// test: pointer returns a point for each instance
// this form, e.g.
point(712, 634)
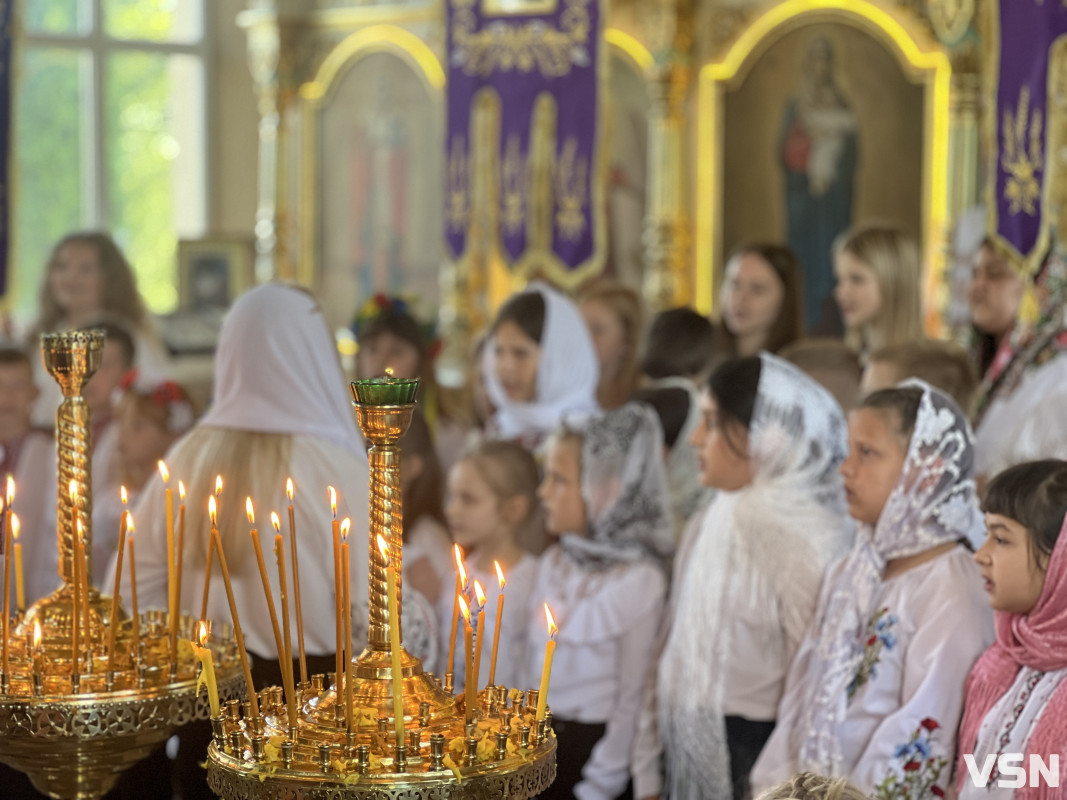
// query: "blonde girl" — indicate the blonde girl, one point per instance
point(615, 316)
point(879, 279)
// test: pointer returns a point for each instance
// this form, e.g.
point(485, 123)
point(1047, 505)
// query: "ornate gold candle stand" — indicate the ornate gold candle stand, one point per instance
point(501, 753)
point(74, 730)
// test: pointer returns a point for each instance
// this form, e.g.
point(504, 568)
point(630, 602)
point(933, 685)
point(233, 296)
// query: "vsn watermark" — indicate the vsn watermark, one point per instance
point(1013, 772)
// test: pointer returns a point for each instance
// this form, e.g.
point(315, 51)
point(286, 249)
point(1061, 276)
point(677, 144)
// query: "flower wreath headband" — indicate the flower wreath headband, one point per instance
point(163, 394)
point(384, 305)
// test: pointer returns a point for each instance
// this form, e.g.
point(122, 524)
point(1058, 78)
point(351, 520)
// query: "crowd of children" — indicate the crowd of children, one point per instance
point(766, 556)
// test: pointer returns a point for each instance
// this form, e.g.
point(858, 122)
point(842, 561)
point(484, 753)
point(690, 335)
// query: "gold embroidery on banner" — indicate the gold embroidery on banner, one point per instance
point(503, 45)
point(571, 195)
point(458, 211)
point(513, 188)
point(1022, 188)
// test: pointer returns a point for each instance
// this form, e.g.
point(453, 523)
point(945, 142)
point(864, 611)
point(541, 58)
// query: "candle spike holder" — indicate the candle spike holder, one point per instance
point(74, 719)
point(442, 758)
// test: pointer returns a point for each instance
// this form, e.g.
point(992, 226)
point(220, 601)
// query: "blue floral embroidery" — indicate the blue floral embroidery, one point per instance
point(915, 773)
point(878, 637)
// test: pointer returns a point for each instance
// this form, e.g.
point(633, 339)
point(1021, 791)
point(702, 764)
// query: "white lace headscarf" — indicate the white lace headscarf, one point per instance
point(775, 537)
point(933, 502)
point(567, 373)
point(624, 487)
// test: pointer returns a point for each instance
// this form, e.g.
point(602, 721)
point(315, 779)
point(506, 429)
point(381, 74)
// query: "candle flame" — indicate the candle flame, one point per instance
point(333, 500)
point(123, 495)
point(212, 510)
point(464, 609)
point(289, 488)
point(275, 521)
point(15, 526)
point(36, 633)
point(10, 490)
point(459, 565)
point(389, 371)
point(478, 593)
point(463, 581)
point(218, 485)
point(164, 473)
point(552, 629)
point(201, 635)
point(250, 511)
point(72, 492)
point(129, 522)
point(346, 526)
point(384, 548)
point(181, 491)
point(500, 575)
point(81, 531)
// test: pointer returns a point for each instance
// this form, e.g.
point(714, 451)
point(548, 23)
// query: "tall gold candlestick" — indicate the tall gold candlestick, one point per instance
point(461, 585)
point(347, 602)
point(172, 618)
point(265, 581)
point(546, 669)
point(496, 627)
point(479, 595)
point(338, 593)
point(394, 642)
point(213, 502)
point(113, 616)
point(287, 659)
point(20, 585)
point(238, 634)
point(468, 653)
point(179, 558)
point(8, 547)
point(296, 583)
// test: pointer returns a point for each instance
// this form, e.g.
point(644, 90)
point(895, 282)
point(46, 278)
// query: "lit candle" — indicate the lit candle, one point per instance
point(212, 513)
point(20, 587)
point(168, 495)
point(38, 654)
point(287, 660)
point(237, 633)
point(75, 606)
point(113, 617)
point(207, 666)
point(296, 583)
point(480, 633)
point(338, 594)
point(394, 642)
point(265, 581)
point(496, 627)
point(546, 670)
point(133, 586)
point(346, 601)
point(179, 557)
point(83, 564)
point(468, 652)
point(8, 547)
point(461, 580)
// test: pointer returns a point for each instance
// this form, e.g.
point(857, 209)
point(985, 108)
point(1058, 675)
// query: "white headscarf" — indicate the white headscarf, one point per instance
point(567, 372)
point(775, 536)
point(624, 486)
point(275, 356)
point(933, 502)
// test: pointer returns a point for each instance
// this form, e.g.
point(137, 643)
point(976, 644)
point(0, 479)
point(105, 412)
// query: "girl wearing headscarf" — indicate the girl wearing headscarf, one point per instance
point(1016, 695)
point(540, 366)
point(281, 410)
point(747, 574)
point(605, 496)
point(875, 692)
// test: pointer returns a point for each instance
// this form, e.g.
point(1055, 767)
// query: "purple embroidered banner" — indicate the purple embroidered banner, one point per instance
point(529, 62)
point(1028, 29)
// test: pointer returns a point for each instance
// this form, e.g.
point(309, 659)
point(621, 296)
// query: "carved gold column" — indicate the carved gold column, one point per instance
point(1057, 146)
point(666, 228)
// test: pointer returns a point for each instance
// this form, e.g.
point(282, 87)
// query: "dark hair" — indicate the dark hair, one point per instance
point(671, 404)
point(399, 323)
point(120, 335)
point(1034, 495)
point(12, 356)
point(903, 401)
point(425, 496)
point(734, 385)
point(680, 342)
point(525, 309)
point(787, 325)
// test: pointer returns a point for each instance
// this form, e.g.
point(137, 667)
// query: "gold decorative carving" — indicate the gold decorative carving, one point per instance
point(950, 18)
point(458, 211)
point(571, 194)
point(1021, 164)
point(504, 46)
point(513, 188)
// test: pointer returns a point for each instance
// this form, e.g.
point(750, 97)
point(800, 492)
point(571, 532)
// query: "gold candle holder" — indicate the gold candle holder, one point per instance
point(73, 724)
point(440, 756)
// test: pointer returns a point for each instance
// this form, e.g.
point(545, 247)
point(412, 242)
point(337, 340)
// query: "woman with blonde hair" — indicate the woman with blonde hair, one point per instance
point(812, 786)
point(879, 280)
point(615, 316)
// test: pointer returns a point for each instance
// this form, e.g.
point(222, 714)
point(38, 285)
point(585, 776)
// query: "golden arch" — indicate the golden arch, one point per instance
point(921, 59)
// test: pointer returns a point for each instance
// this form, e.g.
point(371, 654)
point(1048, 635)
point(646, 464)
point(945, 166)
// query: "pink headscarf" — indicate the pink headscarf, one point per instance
point(1037, 640)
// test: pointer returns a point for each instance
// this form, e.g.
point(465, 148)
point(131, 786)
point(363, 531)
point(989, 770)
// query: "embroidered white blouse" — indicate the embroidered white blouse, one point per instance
point(932, 623)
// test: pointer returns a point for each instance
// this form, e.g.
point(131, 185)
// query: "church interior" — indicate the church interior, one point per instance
point(721, 337)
